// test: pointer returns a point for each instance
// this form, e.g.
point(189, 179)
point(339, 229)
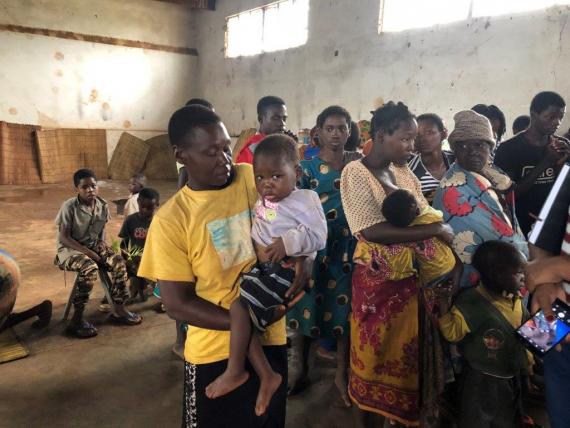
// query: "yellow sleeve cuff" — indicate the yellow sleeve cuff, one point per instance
point(453, 326)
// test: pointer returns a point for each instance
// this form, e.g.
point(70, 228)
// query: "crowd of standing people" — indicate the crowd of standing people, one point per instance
point(405, 258)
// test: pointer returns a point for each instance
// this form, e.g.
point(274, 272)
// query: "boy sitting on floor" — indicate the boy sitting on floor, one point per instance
point(81, 248)
point(136, 184)
point(133, 234)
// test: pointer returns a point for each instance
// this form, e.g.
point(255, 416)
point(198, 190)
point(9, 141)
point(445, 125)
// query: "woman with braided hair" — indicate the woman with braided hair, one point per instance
point(384, 328)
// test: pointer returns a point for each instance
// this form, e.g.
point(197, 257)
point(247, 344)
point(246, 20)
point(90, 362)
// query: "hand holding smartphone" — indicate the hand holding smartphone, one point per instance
point(539, 335)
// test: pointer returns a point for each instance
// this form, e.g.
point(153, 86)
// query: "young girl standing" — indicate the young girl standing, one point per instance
point(324, 310)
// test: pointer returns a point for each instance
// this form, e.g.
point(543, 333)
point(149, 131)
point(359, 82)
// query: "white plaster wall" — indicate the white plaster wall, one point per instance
point(66, 83)
point(502, 60)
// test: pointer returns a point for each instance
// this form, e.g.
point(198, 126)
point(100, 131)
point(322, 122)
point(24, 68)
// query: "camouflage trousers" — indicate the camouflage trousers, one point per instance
point(88, 271)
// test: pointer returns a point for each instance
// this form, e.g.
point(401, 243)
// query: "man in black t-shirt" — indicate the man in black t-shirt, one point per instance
point(533, 158)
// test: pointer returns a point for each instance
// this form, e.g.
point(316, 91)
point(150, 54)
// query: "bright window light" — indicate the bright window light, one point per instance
point(505, 7)
point(399, 15)
point(276, 26)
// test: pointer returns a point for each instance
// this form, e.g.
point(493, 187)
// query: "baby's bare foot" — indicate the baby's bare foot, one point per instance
point(267, 388)
point(225, 383)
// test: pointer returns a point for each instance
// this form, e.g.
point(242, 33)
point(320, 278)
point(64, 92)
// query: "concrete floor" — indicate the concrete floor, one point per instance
point(124, 377)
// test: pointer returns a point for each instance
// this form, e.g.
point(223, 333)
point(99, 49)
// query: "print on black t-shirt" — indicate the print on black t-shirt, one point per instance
point(518, 158)
point(134, 230)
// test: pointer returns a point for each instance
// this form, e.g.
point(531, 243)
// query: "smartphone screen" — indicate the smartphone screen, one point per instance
point(540, 335)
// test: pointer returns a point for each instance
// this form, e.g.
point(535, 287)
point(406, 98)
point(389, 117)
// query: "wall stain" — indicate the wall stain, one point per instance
point(13, 111)
point(127, 124)
point(59, 56)
point(93, 95)
point(55, 89)
point(59, 73)
point(105, 112)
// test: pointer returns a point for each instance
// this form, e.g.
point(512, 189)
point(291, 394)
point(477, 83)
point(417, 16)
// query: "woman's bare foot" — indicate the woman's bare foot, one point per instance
point(225, 383)
point(342, 385)
point(267, 388)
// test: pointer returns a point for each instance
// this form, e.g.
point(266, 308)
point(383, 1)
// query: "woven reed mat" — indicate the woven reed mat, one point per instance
point(128, 158)
point(64, 151)
point(242, 139)
point(160, 162)
point(18, 154)
point(10, 347)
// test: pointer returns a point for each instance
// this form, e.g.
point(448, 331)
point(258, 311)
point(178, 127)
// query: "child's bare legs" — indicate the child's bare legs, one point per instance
point(140, 287)
point(235, 374)
point(269, 381)
point(137, 289)
point(341, 376)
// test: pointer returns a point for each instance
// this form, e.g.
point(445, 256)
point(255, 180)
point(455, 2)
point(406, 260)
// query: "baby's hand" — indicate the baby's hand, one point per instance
point(276, 251)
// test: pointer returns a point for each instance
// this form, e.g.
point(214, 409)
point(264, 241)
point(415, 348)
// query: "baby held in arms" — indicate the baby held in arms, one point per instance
point(289, 227)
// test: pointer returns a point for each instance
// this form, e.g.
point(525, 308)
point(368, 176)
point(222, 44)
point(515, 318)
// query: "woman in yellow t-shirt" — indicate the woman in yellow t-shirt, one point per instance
point(197, 246)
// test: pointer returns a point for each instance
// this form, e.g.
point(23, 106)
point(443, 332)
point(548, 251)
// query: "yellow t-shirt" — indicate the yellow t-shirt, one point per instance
point(204, 237)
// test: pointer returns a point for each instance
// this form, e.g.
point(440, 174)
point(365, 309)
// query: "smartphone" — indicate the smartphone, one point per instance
point(539, 335)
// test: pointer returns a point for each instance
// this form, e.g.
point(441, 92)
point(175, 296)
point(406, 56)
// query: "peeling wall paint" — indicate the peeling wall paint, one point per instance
point(56, 82)
point(145, 20)
point(502, 60)
point(65, 83)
